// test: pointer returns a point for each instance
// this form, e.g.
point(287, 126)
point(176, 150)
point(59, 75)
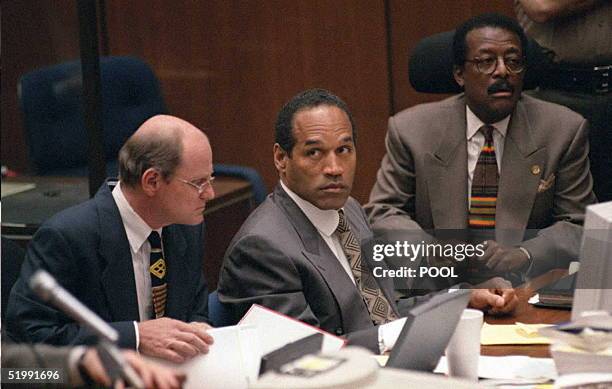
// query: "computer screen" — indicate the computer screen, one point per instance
point(594, 284)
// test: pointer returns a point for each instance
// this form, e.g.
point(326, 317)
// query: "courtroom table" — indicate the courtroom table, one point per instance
point(23, 213)
point(527, 313)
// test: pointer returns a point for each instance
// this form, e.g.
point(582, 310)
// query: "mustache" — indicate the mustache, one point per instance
point(500, 86)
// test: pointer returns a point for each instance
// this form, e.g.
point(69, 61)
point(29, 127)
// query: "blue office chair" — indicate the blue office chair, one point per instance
point(53, 115)
point(50, 99)
point(219, 314)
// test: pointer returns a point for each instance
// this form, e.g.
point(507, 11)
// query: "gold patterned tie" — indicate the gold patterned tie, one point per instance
point(378, 305)
point(157, 268)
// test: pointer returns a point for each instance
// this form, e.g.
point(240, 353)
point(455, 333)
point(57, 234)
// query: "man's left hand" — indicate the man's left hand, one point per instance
point(494, 301)
point(501, 258)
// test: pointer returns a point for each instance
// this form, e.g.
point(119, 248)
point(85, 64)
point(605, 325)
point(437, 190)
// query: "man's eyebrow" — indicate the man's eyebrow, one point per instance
point(347, 138)
point(311, 142)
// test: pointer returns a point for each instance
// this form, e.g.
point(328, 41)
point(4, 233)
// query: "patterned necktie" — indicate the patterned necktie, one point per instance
point(484, 185)
point(378, 305)
point(157, 268)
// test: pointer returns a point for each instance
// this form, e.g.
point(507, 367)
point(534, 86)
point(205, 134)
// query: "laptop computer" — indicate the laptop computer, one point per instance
point(427, 331)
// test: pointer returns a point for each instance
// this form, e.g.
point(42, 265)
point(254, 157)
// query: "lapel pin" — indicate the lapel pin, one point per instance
point(535, 170)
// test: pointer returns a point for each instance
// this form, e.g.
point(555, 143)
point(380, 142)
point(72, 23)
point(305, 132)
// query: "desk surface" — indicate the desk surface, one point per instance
point(526, 313)
point(27, 210)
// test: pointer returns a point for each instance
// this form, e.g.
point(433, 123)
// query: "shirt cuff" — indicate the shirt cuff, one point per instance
point(74, 357)
point(137, 336)
point(527, 267)
point(388, 334)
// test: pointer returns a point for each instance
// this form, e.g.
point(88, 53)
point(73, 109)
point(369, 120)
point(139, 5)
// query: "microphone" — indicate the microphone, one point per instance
point(49, 290)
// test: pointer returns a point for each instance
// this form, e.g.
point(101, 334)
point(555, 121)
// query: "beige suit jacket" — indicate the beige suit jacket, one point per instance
point(545, 182)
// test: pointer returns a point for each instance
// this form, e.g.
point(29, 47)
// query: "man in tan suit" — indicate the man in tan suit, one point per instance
point(436, 176)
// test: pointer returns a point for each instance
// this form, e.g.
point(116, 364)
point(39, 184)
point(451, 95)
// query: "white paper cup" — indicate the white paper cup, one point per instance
point(463, 349)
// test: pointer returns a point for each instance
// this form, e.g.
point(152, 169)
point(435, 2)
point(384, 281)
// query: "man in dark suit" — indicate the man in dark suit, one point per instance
point(303, 252)
point(109, 254)
point(491, 162)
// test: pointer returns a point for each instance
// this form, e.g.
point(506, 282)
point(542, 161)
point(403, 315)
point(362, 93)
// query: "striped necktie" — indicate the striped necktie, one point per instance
point(484, 185)
point(373, 297)
point(157, 268)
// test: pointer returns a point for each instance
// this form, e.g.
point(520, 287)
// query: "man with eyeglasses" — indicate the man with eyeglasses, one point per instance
point(133, 253)
point(493, 165)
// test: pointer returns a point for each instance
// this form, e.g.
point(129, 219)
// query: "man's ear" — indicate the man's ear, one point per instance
point(150, 181)
point(458, 74)
point(280, 159)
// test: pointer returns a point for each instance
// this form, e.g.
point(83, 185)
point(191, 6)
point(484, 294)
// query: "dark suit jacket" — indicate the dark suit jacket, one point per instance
point(279, 260)
point(86, 249)
point(544, 184)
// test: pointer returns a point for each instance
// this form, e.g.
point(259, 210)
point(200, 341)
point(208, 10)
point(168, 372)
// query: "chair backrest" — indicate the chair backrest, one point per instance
point(430, 65)
point(50, 99)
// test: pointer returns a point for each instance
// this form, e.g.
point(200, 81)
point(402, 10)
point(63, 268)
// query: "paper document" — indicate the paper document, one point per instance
point(518, 333)
point(11, 188)
point(231, 363)
point(277, 330)
point(515, 367)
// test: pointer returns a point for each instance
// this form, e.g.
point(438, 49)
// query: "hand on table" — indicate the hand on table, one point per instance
point(496, 296)
point(173, 340)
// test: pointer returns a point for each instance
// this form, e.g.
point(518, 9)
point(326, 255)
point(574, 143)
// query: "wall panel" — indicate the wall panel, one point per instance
point(228, 66)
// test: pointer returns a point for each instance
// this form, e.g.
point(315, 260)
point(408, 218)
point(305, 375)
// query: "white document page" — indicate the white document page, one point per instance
point(231, 363)
point(276, 330)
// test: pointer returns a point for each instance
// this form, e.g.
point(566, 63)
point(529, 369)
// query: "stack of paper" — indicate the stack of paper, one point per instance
point(516, 367)
point(234, 358)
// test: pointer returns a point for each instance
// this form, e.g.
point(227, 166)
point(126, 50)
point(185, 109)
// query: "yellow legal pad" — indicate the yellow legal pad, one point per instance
point(519, 333)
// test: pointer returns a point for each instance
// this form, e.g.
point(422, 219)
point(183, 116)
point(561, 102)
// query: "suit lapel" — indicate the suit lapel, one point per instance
point(446, 169)
point(521, 168)
point(117, 278)
point(174, 251)
point(316, 251)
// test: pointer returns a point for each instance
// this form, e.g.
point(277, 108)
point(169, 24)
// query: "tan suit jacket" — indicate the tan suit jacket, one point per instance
point(544, 186)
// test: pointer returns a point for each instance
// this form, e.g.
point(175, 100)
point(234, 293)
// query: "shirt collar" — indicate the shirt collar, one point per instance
point(136, 229)
point(324, 220)
point(474, 124)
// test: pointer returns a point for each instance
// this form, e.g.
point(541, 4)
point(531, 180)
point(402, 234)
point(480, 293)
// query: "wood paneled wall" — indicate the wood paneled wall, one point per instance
point(228, 66)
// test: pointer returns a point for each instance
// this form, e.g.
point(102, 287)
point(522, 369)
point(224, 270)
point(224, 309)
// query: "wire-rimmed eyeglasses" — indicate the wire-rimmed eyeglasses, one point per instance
point(199, 187)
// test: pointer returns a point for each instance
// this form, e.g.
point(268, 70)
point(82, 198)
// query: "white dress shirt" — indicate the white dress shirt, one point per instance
point(326, 222)
point(137, 231)
point(476, 140)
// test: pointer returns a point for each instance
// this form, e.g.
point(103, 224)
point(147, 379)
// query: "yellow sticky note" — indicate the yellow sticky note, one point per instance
point(518, 333)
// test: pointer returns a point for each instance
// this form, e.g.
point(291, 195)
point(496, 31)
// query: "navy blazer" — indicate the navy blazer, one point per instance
point(86, 249)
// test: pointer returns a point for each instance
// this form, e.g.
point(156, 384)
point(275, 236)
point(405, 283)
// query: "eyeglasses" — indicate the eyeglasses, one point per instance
point(487, 65)
point(201, 187)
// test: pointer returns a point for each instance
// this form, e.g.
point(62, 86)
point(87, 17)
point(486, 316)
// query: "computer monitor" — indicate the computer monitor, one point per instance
point(594, 284)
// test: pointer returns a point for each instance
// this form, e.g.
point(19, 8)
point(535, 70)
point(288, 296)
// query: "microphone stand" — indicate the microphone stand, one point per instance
point(115, 365)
